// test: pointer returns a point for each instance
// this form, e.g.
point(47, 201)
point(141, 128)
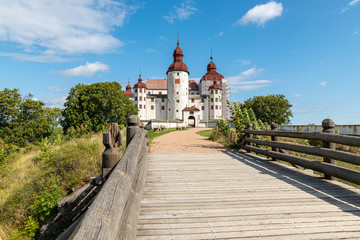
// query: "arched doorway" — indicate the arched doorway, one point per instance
point(191, 121)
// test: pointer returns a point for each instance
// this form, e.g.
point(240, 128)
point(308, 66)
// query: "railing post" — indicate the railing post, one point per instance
point(112, 139)
point(274, 127)
point(328, 126)
point(248, 135)
point(133, 122)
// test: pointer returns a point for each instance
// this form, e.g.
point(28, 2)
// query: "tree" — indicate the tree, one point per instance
point(22, 119)
point(93, 105)
point(270, 108)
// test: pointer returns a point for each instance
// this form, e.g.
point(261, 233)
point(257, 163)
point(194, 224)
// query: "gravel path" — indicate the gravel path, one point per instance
point(185, 141)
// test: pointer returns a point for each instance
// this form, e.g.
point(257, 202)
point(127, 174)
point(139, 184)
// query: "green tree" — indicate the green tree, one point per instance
point(93, 105)
point(270, 108)
point(22, 119)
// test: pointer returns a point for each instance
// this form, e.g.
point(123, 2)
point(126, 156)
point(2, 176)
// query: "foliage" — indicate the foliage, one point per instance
point(205, 133)
point(6, 150)
point(270, 108)
point(23, 119)
point(92, 106)
point(30, 191)
point(224, 126)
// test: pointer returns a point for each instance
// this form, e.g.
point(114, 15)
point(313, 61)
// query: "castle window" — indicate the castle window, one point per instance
point(216, 91)
point(212, 91)
point(152, 107)
point(160, 93)
point(144, 98)
point(220, 107)
point(216, 99)
point(178, 101)
point(202, 108)
point(177, 81)
point(178, 74)
point(191, 112)
point(145, 106)
point(192, 100)
point(212, 107)
point(140, 90)
point(202, 100)
point(216, 107)
point(140, 98)
point(135, 98)
point(136, 90)
point(163, 100)
point(177, 110)
point(140, 106)
point(177, 92)
point(212, 99)
point(152, 100)
point(162, 107)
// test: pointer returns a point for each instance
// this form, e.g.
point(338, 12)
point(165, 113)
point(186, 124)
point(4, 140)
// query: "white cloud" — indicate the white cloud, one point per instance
point(55, 102)
point(356, 32)
point(221, 33)
point(151, 50)
point(54, 27)
point(242, 82)
point(35, 58)
point(297, 95)
point(260, 14)
point(56, 89)
point(244, 62)
point(162, 38)
point(87, 70)
point(183, 12)
point(323, 84)
point(353, 2)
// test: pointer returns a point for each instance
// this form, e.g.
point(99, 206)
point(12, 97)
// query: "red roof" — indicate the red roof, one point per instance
point(178, 62)
point(156, 84)
point(212, 74)
point(193, 86)
point(140, 84)
point(191, 109)
point(128, 91)
point(215, 86)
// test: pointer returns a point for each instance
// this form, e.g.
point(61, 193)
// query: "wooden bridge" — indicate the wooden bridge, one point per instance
point(208, 192)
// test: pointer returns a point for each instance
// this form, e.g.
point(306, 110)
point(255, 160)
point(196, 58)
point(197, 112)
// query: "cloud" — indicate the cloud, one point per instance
point(87, 70)
point(242, 82)
point(260, 14)
point(297, 95)
point(162, 38)
point(323, 84)
point(55, 101)
point(44, 58)
point(351, 4)
point(221, 33)
point(244, 62)
point(356, 32)
point(56, 89)
point(51, 28)
point(151, 50)
point(183, 12)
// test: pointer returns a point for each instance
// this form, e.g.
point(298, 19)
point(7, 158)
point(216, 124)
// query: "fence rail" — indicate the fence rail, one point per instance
point(328, 152)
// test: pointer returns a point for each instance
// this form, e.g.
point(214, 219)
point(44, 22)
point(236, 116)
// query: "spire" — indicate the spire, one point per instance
point(178, 63)
point(211, 55)
point(178, 36)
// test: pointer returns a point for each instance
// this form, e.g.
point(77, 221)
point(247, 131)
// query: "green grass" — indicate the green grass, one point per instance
point(205, 133)
point(151, 134)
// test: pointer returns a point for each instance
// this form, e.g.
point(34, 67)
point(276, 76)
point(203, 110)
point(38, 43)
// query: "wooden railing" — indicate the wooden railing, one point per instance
point(114, 212)
point(328, 152)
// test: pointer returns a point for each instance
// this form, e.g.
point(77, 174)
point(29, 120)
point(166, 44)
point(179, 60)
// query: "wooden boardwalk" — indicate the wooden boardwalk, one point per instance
point(230, 195)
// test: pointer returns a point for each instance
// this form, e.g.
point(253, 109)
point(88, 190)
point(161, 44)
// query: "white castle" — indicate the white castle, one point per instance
point(178, 99)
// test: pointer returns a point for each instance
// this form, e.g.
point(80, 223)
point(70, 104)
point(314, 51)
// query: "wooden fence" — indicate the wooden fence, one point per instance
point(328, 152)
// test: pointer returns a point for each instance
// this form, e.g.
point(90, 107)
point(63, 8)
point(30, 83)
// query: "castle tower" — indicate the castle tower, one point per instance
point(177, 84)
point(128, 92)
point(215, 94)
point(140, 98)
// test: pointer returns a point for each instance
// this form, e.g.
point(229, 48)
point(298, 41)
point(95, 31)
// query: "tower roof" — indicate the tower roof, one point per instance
point(128, 91)
point(178, 64)
point(215, 86)
point(212, 74)
point(140, 84)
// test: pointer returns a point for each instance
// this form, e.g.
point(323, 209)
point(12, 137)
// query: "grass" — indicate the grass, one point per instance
point(205, 133)
point(151, 134)
point(32, 183)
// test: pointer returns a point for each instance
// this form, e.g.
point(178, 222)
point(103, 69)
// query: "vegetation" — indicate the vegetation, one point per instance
point(32, 183)
point(270, 108)
point(92, 106)
point(205, 133)
point(151, 134)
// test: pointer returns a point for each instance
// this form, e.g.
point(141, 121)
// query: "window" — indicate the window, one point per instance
point(192, 100)
point(144, 98)
point(160, 93)
point(216, 99)
point(177, 110)
point(202, 100)
point(177, 81)
point(212, 107)
point(136, 90)
point(220, 107)
point(216, 107)
point(216, 91)
point(212, 99)
point(192, 112)
point(163, 100)
point(145, 106)
point(152, 100)
point(162, 107)
point(212, 91)
point(178, 74)
point(202, 108)
point(140, 106)
point(152, 107)
point(140, 98)
point(149, 92)
point(135, 98)
point(177, 92)
point(140, 90)
point(178, 101)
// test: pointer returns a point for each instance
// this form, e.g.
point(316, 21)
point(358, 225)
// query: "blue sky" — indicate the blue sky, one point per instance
point(307, 50)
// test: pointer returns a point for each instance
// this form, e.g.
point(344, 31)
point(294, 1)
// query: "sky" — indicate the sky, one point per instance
point(307, 50)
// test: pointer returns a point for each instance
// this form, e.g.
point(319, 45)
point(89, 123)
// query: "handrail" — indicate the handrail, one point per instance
point(328, 152)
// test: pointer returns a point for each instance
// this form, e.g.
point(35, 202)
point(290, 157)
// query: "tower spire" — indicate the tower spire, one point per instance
point(178, 36)
point(211, 55)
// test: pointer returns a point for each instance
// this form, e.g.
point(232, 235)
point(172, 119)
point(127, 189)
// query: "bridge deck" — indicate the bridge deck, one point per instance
point(229, 195)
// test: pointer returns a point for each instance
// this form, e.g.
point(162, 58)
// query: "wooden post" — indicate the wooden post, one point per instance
point(274, 127)
point(249, 135)
point(112, 139)
point(133, 122)
point(328, 126)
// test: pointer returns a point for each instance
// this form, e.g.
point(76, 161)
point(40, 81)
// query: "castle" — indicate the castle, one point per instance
point(178, 99)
